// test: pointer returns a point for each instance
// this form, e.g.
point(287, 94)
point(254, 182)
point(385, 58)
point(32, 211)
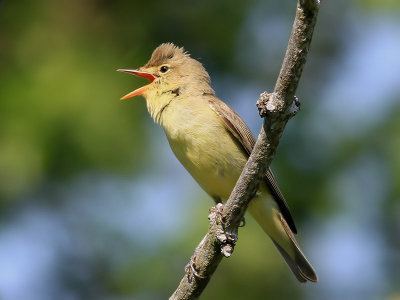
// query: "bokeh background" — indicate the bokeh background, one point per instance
point(93, 205)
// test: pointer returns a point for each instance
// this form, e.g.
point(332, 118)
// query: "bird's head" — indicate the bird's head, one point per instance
point(175, 77)
point(172, 72)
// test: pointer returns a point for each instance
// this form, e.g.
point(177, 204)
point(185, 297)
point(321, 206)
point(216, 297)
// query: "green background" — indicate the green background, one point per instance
point(93, 205)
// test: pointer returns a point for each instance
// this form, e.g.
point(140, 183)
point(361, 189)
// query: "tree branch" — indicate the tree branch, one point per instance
point(276, 108)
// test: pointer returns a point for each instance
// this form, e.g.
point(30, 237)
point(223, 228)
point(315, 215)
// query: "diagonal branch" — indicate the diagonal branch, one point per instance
point(276, 108)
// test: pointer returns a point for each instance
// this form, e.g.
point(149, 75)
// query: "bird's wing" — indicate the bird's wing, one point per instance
point(242, 133)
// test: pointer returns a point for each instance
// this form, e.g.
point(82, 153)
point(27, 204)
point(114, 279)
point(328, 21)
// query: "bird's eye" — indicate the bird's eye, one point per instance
point(164, 69)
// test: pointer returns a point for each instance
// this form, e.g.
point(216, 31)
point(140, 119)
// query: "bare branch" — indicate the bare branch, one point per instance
point(276, 108)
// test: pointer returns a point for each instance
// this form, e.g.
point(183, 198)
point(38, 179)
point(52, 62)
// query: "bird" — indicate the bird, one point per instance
point(213, 143)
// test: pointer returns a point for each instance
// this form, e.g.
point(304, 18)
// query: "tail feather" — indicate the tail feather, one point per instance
point(299, 265)
point(291, 264)
point(267, 214)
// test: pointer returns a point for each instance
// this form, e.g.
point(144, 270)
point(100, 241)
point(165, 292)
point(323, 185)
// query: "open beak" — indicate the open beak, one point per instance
point(140, 73)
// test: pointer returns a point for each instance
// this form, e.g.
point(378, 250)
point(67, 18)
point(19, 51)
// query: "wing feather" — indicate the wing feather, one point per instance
point(242, 133)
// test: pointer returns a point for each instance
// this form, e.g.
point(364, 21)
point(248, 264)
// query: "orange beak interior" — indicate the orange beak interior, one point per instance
point(140, 73)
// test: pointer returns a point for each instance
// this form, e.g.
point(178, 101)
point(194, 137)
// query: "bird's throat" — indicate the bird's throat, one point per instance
point(158, 104)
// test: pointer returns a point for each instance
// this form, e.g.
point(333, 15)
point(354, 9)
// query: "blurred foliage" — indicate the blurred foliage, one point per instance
point(62, 128)
point(60, 113)
point(384, 5)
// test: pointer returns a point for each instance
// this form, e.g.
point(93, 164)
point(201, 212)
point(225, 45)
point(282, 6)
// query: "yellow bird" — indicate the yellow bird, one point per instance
point(213, 143)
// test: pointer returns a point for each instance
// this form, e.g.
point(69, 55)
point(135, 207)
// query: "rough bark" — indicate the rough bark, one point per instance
point(276, 109)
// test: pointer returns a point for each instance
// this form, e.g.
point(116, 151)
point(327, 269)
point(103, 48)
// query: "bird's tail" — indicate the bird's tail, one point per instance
point(266, 212)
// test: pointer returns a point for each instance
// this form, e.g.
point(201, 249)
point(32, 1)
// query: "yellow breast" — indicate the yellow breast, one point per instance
point(204, 146)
